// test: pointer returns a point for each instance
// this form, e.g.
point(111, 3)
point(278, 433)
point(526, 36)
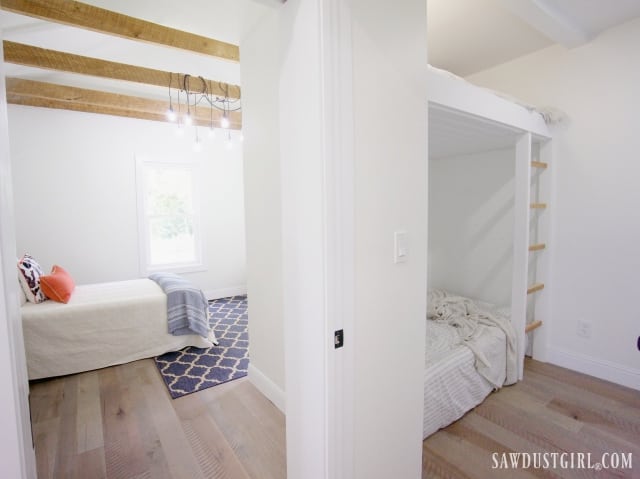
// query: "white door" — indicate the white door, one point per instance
point(18, 459)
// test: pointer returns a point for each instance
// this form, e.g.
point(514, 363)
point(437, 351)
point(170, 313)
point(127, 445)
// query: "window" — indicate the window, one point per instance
point(168, 220)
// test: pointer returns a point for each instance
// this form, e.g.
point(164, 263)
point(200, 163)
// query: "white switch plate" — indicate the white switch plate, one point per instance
point(401, 247)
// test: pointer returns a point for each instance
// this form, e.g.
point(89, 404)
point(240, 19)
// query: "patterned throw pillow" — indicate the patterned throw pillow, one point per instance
point(29, 272)
point(21, 295)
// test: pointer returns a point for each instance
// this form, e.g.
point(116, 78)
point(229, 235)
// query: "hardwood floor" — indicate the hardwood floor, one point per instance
point(551, 410)
point(120, 423)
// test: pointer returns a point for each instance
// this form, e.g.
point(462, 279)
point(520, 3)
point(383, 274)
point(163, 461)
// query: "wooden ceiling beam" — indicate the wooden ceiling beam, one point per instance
point(31, 56)
point(50, 95)
point(77, 14)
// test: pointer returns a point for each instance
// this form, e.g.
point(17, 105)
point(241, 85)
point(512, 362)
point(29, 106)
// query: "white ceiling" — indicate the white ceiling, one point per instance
point(452, 133)
point(226, 20)
point(595, 16)
point(468, 36)
point(465, 36)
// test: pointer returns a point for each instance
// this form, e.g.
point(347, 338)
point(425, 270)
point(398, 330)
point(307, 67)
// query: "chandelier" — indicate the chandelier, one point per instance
point(193, 92)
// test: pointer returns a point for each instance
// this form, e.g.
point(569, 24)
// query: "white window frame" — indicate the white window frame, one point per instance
point(144, 250)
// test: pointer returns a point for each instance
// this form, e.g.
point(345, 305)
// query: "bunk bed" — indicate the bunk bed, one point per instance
point(464, 119)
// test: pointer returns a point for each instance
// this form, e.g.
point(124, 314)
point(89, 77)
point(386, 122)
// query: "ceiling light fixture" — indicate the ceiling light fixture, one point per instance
point(171, 115)
point(194, 95)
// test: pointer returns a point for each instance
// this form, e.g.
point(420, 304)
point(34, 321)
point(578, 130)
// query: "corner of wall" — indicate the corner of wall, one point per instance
point(267, 387)
point(239, 290)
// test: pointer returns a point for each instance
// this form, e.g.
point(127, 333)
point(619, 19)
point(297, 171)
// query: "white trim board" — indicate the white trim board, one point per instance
point(460, 95)
point(598, 368)
point(18, 455)
point(520, 260)
point(225, 292)
point(267, 387)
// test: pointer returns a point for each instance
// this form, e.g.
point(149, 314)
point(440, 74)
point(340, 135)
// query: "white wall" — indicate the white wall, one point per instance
point(384, 336)
point(471, 224)
point(304, 239)
point(596, 230)
point(75, 195)
point(390, 144)
point(16, 446)
point(263, 216)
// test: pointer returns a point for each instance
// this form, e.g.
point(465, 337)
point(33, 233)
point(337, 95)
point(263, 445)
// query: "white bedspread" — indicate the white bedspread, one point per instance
point(452, 386)
point(102, 325)
point(452, 383)
point(467, 318)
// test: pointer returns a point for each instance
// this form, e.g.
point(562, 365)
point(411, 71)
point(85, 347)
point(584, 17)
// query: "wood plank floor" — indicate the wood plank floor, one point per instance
point(551, 410)
point(120, 423)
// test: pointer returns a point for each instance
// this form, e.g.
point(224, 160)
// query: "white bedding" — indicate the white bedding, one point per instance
point(102, 325)
point(452, 385)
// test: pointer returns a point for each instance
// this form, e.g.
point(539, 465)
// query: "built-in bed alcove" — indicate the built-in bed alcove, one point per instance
point(489, 190)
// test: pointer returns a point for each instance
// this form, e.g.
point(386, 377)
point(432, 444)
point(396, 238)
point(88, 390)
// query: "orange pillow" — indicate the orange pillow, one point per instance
point(58, 285)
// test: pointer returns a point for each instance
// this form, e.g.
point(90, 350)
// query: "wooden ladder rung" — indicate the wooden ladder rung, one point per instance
point(537, 247)
point(531, 326)
point(538, 206)
point(535, 287)
point(539, 164)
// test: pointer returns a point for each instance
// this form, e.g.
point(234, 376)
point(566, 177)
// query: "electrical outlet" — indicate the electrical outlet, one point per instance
point(583, 329)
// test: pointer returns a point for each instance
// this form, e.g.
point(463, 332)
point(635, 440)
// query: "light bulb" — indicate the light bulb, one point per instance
point(241, 137)
point(180, 130)
point(212, 133)
point(187, 119)
point(229, 144)
point(197, 146)
point(171, 115)
point(224, 122)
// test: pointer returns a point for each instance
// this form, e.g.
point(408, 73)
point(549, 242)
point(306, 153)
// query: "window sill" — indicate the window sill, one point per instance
point(176, 268)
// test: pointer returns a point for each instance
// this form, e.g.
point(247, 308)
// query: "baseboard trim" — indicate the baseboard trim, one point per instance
point(598, 368)
point(225, 292)
point(267, 387)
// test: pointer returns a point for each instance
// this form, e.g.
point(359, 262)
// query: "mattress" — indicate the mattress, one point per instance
point(452, 386)
point(102, 325)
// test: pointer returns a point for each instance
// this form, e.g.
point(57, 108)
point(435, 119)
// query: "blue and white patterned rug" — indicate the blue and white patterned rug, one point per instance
point(194, 369)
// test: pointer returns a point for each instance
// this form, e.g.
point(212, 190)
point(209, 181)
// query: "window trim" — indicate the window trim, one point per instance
point(144, 250)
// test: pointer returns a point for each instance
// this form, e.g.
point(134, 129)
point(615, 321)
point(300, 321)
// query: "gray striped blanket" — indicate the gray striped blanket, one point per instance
point(187, 307)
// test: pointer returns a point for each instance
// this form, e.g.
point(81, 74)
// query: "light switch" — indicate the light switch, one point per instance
point(401, 247)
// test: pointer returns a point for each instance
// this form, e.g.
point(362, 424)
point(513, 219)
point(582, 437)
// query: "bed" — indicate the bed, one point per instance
point(102, 325)
point(467, 121)
point(460, 374)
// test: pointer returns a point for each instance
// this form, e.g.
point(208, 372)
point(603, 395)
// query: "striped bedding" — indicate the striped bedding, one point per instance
point(187, 311)
point(452, 385)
